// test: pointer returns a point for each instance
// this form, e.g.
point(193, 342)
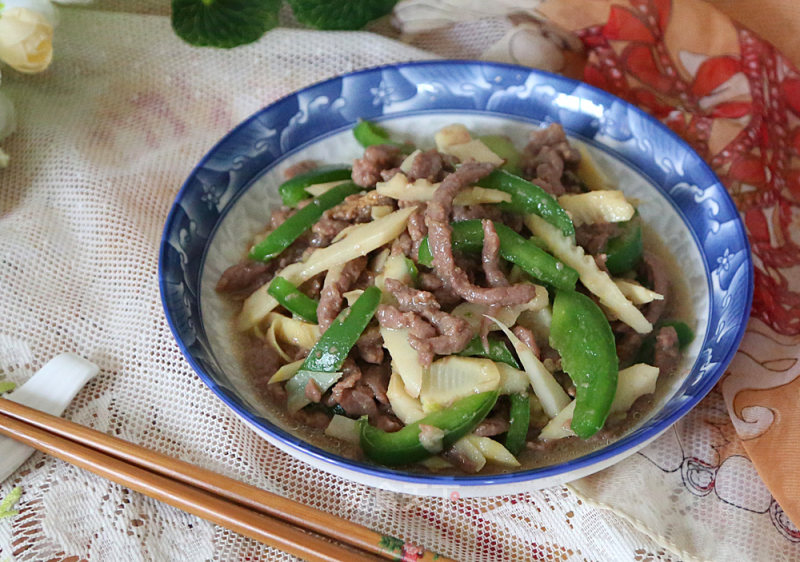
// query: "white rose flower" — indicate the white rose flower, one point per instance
point(26, 39)
point(8, 123)
point(44, 7)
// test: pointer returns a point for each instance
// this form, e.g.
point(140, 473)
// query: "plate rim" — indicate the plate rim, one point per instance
point(622, 445)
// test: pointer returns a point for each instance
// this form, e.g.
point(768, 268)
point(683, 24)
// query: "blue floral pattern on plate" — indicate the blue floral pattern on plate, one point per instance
point(621, 130)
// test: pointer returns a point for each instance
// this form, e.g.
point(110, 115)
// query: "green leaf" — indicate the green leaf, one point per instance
point(339, 14)
point(223, 23)
point(7, 386)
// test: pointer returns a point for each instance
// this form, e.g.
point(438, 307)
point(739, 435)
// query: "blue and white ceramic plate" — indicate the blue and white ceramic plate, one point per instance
point(228, 197)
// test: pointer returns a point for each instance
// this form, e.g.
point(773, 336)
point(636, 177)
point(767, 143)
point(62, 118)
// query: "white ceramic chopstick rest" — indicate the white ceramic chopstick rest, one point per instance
point(50, 390)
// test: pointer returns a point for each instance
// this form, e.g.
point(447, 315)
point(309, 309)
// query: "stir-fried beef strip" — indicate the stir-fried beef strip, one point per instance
point(337, 282)
point(431, 330)
point(367, 170)
point(437, 219)
point(370, 346)
point(417, 230)
point(241, 279)
point(312, 391)
point(357, 208)
point(467, 212)
point(409, 299)
point(300, 168)
point(431, 282)
point(594, 237)
point(667, 351)
point(657, 275)
point(325, 230)
point(527, 337)
point(546, 156)
point(431, 165)
point(491, 427)
point(490, 256)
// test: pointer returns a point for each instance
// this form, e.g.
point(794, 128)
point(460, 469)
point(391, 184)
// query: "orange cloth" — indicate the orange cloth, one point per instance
point(736, 99)
point(778, 21)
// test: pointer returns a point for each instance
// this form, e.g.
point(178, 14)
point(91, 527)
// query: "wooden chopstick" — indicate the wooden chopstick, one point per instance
point(269, 518)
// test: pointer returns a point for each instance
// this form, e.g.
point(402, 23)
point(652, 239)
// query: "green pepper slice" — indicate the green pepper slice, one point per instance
point(294, 190)
point(293, 300)
point(581, 334)
point(505, 149)
point(624, 252)
point(498, 351)
point(412, 270)
point(529, 198)
point(368, 134)
point(404, 446)
point(329, 353)
point(518, 422)
point(468, 237)
point(327, 356)
point(279, 239)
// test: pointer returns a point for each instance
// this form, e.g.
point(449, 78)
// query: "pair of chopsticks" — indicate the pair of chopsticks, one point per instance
point(295, 528)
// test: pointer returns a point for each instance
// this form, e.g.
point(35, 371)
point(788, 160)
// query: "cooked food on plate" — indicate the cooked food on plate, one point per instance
point(461, 306)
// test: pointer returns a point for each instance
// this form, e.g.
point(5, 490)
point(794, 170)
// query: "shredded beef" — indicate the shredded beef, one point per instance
point(386, 175)
point(431, 331)
point(312, 418)
point(370, 346)
point(444, 295)
point(279, 216)
point(365, 279)
point(299, 168)
point(467, 212)
point(409, 299)
point(261, 360)
point(416, 228)
point(593, 237)
point(460, 461)
point(391, 317)
point(600, 260)
point(244, 277)
point(527, 337)
point(514, 221)
point(454, 332)
point(312, 391)
point(313, 287)
point(357, 208)
point(386, 421)
point(628, 345)
point(545, 157)
point(658, 277)
point(491, 426)
point(325, 230)
point(430, 165)
point(355, 397)
point(376, 378)
point(402, 245)
point(330, 301)
point(437, 218)
point(367, 170)
point(490, 256)
point(572, 183)
point(667, 350)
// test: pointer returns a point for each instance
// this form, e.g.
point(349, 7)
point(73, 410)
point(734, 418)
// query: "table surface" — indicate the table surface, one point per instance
point(105, 138)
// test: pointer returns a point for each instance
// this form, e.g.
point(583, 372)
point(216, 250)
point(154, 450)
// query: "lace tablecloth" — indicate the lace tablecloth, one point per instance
point(106, 136)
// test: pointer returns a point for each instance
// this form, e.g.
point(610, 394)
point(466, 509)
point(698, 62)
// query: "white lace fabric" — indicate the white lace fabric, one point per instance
point(106, 137)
